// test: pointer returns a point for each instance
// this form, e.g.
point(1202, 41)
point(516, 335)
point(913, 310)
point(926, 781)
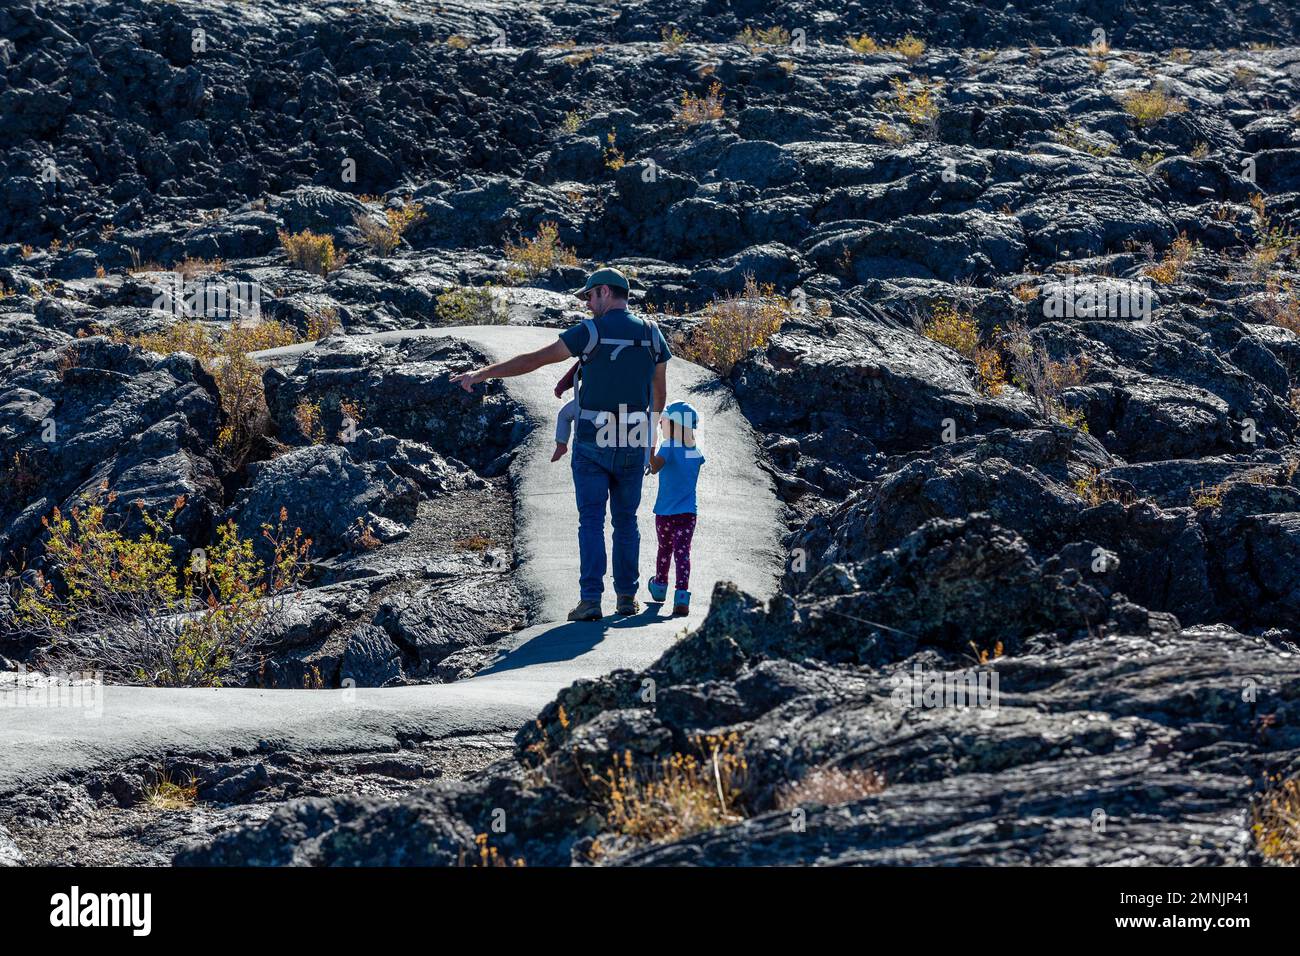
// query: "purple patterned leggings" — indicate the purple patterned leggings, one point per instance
point(675, 532)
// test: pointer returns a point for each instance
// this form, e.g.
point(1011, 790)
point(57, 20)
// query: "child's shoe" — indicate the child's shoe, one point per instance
point(657, 591)
point(681, 603)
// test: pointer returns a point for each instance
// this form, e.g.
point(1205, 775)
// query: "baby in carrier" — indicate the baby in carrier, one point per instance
point(564, 421)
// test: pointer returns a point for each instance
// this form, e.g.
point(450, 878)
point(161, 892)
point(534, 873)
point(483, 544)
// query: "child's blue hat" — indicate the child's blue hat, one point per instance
point(683, 413)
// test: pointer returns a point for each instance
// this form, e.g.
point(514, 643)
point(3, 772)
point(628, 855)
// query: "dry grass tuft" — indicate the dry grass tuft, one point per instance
point(1094, 489)
point(679, 795)
point(695, 110)
point(1043, 378)
point(829, 786)
point(166, 794)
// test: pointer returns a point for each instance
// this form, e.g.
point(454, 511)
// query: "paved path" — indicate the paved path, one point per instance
point(736, 540)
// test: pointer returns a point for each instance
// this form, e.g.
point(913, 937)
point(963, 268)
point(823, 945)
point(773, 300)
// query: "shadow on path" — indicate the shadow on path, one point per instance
point(571, 639)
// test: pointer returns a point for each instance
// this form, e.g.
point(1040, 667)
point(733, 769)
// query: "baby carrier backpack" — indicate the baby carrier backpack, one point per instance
point(589, 355)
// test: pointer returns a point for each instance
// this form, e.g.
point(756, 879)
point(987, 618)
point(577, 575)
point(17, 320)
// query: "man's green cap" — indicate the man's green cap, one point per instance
point(606, 276)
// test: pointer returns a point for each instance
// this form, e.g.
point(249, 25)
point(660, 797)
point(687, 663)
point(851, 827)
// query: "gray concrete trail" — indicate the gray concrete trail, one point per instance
point(736, 539)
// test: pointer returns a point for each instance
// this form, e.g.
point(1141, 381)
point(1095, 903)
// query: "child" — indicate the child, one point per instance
point(564, 422)
point(677, 463)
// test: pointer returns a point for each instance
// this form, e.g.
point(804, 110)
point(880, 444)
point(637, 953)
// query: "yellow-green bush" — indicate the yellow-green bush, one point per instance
point(672, 38)
point(956, 329)
point(1151, 105)
point(734, 325)
point(123, 607)
point(311, 251)
point(952, 328)
point(384, 238)
point(470, 306)
point(224, 353)
point(917, 106)
point(532, 257)
point(1276, 823)
point(1177, 257)
point(765, 36)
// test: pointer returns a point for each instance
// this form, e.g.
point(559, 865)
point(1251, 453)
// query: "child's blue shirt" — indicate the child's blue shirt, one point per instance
point(677, 478)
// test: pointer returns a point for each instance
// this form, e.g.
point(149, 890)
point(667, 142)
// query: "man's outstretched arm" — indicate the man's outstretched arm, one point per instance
point(557, 351)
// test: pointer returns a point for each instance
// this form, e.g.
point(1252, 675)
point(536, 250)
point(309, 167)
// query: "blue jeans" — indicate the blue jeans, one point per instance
point(612, 474)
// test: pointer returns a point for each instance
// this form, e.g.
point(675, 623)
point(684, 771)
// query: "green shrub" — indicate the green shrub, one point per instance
point(471, 306)
point(122, 607)
point(311, 252)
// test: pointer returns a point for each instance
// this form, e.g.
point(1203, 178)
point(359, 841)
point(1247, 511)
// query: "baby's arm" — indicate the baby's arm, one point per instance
point(566, 383)
point(564, 421)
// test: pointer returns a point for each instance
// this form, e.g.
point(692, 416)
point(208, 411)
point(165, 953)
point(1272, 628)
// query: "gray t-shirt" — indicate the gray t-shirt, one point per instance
point(608, 384)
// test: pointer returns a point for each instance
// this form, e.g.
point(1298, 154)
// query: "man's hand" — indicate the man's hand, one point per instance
point(557, 351)
point(467, 380)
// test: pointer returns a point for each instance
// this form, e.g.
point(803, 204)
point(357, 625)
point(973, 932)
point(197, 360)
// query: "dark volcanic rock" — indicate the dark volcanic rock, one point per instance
point(435, 626)
point(406, 392)
point(91, 413)
point(10, 855)
point(848, 391)
point(1153, 738)
point(332, 498)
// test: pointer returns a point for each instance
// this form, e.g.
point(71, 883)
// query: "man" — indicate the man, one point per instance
point(622, 375)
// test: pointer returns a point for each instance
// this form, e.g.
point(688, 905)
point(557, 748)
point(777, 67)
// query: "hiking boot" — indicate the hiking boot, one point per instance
point(627, 604)
point(681, 603)
point(657, 591)
point(586, 611)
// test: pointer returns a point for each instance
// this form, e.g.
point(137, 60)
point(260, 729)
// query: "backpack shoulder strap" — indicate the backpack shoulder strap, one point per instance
point(593, 339)
point(655, 337)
